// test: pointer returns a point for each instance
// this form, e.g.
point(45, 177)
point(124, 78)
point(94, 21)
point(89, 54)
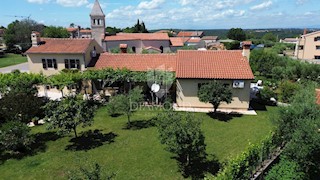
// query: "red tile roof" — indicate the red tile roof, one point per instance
point(209, 38)
point(194, 40)
point(318, 96)
point(176, 41)
point(137, 62)
point(137, 36)
point(247, 43)
point(190, 33)
point(72, 29)
point(85, 31)
point(61, 45)
point(187, 64)
point(213, 65)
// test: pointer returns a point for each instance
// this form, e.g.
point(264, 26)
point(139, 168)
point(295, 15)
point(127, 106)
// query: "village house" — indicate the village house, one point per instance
point(51, 55)
point(194, 68)
point(308, 46)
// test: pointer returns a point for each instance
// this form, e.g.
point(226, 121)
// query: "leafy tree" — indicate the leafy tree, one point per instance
point(68, 114)
point(113, 30)
point(269, 37)
point(298, 125)
point(215, 93)
point(304, 147)
point(182, 135)
point(56, 32)
point(20, 106)
point(90, 173)
point(115, 104)
point(302, 107)
point(137, 28)
point(19, 33)
point(232, 45)
point(14, 136)
point(266, 93)
point(286, 90)
point(126, 104)
point(263, 61)
point(17, 82)
point(285, 170)
point(236, 34)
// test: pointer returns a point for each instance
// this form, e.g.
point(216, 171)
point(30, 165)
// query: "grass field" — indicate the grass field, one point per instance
point(12, 59)
point(134, 153)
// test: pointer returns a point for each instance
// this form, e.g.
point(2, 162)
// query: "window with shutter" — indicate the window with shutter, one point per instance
point(66, 63)
point(72, 63)
point(55, 65)
point(44, 64)
point(49, 63)
point(78, 64)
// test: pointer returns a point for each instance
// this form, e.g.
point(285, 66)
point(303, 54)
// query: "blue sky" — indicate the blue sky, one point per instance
point(157, 14)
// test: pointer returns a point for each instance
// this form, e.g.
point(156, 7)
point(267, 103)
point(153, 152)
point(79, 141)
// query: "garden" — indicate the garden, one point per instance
point(134, 153)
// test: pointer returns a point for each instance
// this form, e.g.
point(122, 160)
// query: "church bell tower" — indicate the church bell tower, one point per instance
point(98, 24)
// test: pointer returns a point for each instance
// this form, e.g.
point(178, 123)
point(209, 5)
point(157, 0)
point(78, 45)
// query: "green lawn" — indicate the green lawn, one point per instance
point(12, 59)
point(132, 153)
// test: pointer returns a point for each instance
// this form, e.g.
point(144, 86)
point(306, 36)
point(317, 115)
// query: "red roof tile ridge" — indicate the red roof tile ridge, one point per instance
point(135, 54)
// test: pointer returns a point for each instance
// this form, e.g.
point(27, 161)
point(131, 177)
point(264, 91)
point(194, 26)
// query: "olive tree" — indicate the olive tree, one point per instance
point(215, 93)
point(182, 135)
point(68, 114)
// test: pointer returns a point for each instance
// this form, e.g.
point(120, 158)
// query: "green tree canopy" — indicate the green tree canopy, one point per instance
point(19, 33)
point(269, 37)
point(14, 136)
point(68, 114)
point(126, 103)
point(215, 93)
point(236, 34)
point(55, 32)
point(182, 135)
point(20, 106)
point(285, 170)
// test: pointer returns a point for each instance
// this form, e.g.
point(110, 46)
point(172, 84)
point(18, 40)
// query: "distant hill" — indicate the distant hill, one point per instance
point(256, 33)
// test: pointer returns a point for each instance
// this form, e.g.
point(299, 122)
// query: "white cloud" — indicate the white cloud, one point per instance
point(187, 2)
point(153, 4)
point(39, 1)
point(300, 2)
point(72, 3)
point(90, 5)
point(262, 6)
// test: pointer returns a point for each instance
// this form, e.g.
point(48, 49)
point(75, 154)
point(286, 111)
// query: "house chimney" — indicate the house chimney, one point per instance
point(123, 48)
point(305, 31)
point(246, 49)
point(78, 31)
point(35, 38)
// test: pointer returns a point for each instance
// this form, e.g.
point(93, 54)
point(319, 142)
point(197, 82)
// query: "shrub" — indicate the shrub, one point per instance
point(286, 90)
point(15, 137)
point(285, 170)
point(243, 165)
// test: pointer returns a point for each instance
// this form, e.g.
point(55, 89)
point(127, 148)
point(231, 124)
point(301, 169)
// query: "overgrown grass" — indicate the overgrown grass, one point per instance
point(12, 59)
point(134, 153)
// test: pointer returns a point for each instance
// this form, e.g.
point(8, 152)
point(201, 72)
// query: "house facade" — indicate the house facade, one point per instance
point(193, 69)
point(137, 42)
point(51, 55)
point(308, 46)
